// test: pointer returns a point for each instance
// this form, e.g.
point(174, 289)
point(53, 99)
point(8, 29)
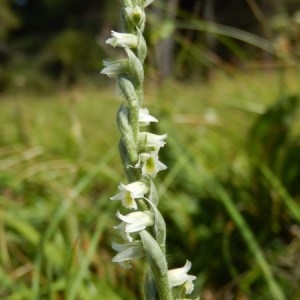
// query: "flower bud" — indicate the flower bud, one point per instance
point(136, 16)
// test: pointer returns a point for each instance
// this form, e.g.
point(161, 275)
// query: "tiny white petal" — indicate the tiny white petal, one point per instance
point(136, 221)
point(137, 188)
point(128, 193)
point(148, 2)
point(152, 141)
point(145, 118)
point(113, 68)
point(125, 235)
point(117, 197)
point(150, 164)
point(126, 40)
point(127, 252)
point(180, 277)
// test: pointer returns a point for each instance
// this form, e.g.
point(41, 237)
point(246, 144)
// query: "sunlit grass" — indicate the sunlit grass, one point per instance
point(59, 164)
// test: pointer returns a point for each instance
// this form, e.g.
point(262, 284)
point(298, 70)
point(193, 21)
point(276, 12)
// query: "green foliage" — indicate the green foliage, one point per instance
point(272, 144)
point(233, 212)
point(51, 230)
point(8, 19)
point(242, 211)
point(70, 54)
point(54, 42)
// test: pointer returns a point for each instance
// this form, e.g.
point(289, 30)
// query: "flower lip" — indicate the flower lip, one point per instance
point(128, 193)
point(150, 164)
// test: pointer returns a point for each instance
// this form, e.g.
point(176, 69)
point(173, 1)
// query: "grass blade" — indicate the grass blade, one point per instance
point(274, 287)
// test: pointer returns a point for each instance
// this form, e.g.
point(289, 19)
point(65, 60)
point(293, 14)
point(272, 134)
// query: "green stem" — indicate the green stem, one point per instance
point(158, 266)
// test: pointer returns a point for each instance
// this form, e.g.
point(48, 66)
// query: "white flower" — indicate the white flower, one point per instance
point(145, 118)
point(152, 142)
point(134, 222)
point(180, 277)
point(150, 164)
point(128, 193)
point(126, 40)
point(114, 67)
point(127, 252)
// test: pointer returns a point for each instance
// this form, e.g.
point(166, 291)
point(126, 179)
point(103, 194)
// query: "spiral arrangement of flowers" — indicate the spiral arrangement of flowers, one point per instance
point(142, 226)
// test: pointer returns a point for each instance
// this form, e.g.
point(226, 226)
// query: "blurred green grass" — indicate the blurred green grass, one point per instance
point(59, 164)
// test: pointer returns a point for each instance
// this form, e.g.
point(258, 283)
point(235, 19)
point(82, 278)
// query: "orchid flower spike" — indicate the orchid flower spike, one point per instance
point(144, 229)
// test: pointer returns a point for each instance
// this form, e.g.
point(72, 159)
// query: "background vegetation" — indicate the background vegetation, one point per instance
point(224, 83)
